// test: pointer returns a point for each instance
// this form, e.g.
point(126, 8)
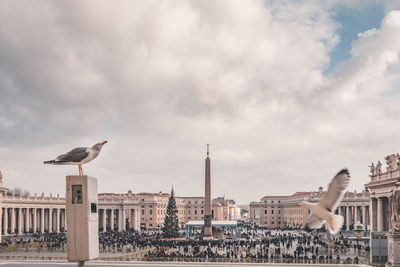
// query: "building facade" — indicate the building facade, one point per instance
point(382, 184)
point(277, 212)
point(21, 213)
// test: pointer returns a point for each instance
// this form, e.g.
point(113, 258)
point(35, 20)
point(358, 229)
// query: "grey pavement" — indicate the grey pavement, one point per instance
point(161, 264)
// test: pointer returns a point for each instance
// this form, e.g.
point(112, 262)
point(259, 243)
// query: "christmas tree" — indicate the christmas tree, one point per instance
point(171, 224)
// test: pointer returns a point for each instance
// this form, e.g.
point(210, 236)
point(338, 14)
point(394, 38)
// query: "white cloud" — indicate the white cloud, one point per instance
point(160, 79)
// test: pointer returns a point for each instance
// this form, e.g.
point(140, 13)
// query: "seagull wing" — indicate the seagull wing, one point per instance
point(75, 155)
point(314, 222)
point(336, 190)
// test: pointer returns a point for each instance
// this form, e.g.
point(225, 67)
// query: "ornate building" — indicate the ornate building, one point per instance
point(21, 213)
point(382, 184)
point(281, 211)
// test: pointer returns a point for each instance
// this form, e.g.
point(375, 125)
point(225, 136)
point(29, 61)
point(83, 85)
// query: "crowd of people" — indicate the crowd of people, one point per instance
point(292, 247)
point(252, 246)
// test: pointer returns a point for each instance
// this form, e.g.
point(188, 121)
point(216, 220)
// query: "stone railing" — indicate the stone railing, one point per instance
point(385, 176)
point(34, 198)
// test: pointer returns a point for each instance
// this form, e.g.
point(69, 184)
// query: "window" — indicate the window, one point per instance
point(142, 212)
point(189, 213)
point(202, 211)
point(272, 211)
point(279, 211)
point(151, 212)
point(195, 211)
point(265, 211)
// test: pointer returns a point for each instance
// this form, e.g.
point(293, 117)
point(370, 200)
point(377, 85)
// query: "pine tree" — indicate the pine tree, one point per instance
point(171, 224)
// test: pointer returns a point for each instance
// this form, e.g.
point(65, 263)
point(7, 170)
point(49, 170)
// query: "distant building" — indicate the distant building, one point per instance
point(281, 211)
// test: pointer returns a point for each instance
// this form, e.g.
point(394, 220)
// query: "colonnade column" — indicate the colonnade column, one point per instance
point(42, 221)
point(57, 220)
point(355, 214)
point(131, 222)
point(380, 214)
point(12, 210)
point(27, 220)
point(64, 219)
point(50, 220)
point(34, 221)
point(20, 220)
point(104, 220)
point(364, 218)
point(137, 219)
point(122, 220)
point(1, 221)
point(348, 218)
point(112, 219)
point(6, 221)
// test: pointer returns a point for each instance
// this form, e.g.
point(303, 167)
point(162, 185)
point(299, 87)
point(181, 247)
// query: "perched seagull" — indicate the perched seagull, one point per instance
point(78, 156)
point(324, 210)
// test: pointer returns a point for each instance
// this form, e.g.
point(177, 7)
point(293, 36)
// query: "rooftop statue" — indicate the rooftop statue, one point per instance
point(391, 162)
point(372, 168)
point(378, 168)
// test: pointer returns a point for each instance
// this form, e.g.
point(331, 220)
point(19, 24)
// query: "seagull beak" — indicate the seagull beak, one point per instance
point(105, 142)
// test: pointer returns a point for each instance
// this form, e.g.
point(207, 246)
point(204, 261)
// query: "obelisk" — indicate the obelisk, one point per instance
point(207, 199)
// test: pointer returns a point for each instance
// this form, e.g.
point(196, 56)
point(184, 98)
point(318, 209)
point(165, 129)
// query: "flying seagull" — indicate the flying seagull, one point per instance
point(78, 156)
point(324, 210)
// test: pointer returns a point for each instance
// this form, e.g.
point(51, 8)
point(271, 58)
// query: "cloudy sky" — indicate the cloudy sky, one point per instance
point(286, 93)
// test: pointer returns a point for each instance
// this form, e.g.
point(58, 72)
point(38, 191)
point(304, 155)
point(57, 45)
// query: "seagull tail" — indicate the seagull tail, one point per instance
point(337, 223)
point(50, 162)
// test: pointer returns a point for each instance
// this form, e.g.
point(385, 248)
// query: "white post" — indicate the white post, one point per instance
point(82, 218)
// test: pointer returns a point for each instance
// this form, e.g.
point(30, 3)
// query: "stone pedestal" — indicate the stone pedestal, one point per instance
point(393, 249)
